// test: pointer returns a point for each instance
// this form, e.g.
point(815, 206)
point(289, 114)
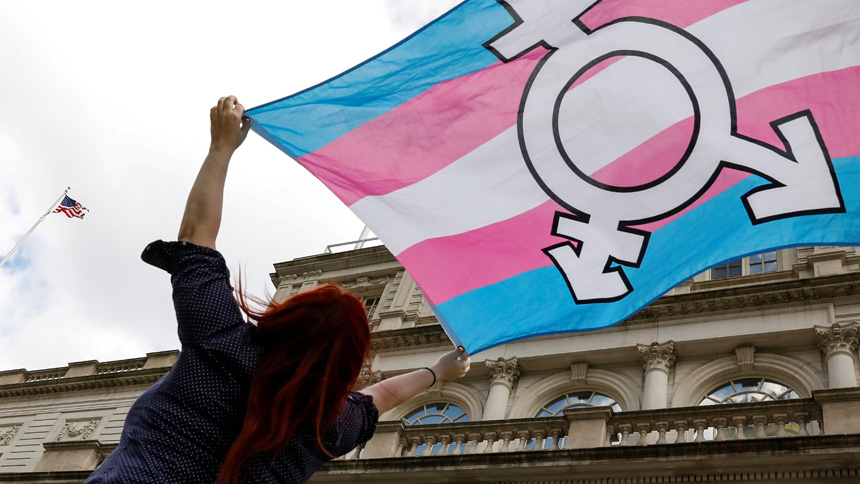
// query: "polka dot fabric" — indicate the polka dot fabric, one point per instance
point(179, 430)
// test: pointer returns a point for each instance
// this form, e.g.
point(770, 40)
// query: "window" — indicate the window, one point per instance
point(582, 399)
point(577, 400)
point(436, 413)
point(371, 303)
point(755, 264)
point(765, 262)
point(729, 269)
point(750, 390)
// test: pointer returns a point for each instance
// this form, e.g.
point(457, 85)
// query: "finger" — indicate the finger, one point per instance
point(239, 109)
point(212, 112)
point(226, 103)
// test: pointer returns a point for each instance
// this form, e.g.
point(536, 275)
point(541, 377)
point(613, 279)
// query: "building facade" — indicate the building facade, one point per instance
point(745, 373)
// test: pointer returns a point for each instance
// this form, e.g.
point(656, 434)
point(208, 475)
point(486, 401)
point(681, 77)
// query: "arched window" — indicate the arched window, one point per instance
point(580, 399)
point(577, 400)
point(435, 413)
point(749, 390)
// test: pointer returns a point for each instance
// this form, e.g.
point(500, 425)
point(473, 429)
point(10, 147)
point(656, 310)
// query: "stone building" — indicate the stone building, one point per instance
point(745, 373)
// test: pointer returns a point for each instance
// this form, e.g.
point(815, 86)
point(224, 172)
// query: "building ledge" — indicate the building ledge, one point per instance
point(776, 460)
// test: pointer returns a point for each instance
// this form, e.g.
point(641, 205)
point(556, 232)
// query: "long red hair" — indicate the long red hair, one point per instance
point(315, 345)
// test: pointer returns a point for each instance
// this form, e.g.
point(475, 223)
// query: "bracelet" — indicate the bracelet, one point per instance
point(434, 376)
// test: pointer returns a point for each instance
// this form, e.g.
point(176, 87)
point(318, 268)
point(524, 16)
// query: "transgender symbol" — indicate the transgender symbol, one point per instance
point(801, 176)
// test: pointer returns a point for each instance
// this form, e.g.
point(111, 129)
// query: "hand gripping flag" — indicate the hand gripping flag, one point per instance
point(546, 166)
point(71, 208)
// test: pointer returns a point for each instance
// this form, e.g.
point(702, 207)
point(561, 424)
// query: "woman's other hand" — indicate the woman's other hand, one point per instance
point(453, 365)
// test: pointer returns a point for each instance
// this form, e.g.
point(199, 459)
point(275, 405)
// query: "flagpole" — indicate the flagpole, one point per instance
point(53, 206)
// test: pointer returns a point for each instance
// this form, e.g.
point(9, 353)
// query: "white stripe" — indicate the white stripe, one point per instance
point(760, 43)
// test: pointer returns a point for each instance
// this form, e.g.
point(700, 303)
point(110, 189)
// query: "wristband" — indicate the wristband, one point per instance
point(434, 376)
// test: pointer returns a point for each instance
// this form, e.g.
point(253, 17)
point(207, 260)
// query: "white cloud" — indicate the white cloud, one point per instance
point(112, 99)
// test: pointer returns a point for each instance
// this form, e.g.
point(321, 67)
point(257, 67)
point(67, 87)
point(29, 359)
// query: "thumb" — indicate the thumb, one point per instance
point(246, 126)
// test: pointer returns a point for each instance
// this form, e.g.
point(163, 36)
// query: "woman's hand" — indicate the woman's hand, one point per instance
point(202, 218)
point(393, 391)
point(453, 365)
point(229, 125)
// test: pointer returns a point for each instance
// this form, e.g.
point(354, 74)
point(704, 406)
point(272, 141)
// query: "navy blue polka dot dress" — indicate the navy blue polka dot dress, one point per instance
point(179, 430)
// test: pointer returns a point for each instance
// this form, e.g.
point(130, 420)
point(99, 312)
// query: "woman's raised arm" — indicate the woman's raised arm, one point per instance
point(202, 218)
point(391, 392)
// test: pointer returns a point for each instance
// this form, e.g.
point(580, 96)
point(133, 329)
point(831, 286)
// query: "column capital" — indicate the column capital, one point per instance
point(504, 371)
point(367, 377)
point(839, 338)
point(657, 356)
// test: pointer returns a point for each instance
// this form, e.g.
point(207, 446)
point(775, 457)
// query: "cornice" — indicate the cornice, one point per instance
point(333, 262)
point(88, 382)
point(733, 300)
point(418, 337)
point(747, 298)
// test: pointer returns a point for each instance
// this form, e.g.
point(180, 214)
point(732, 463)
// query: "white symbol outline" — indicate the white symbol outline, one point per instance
point(629, 245)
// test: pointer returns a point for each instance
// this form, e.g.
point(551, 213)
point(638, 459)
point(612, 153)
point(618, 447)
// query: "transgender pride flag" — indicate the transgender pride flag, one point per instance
point(547, 166)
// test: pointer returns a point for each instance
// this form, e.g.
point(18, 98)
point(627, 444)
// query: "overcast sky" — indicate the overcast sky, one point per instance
point(112, 98)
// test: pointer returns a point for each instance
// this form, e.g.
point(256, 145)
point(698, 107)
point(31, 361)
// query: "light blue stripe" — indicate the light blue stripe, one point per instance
point(539, 303)
point(446, 49)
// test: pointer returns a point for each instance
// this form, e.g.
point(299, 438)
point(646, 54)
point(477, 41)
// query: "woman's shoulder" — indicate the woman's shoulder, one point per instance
point(169, 255)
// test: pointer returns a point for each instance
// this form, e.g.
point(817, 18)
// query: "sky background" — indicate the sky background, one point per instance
point(112, 99)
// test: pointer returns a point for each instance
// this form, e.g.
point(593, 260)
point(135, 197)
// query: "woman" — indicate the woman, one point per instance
point(246, 403)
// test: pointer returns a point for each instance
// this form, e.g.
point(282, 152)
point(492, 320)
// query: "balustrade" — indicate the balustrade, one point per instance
point(715, 422)
point(669, 426)
point(44, 375)
point(121, 366)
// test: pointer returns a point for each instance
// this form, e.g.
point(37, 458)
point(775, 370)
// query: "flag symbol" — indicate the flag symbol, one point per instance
point(546, 166)
point(71, 208)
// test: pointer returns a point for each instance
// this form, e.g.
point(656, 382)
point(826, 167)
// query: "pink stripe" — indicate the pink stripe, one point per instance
point(426, 134)
point(503, 250)
point(491, 254)
point(677, 12)
point(755, 112)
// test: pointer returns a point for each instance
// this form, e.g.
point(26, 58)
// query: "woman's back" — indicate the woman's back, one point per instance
point(181, 428)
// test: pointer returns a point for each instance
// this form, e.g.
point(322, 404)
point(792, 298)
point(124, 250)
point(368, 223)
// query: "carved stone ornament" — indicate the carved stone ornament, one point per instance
point(746, 357)
point(504, 371)
point(363, 282)
point(839, 338)
point(367, 377)
point(78, 430)
point(578, 372)
point(657, 356)
point(7, 434)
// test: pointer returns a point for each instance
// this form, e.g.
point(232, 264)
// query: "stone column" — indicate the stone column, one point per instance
point(503, 374)
point(656, 360)
point(839, 343)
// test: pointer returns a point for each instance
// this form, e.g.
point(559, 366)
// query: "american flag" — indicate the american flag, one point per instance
point(71, 208)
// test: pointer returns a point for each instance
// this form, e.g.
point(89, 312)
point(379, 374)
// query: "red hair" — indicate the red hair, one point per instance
point(315, 345)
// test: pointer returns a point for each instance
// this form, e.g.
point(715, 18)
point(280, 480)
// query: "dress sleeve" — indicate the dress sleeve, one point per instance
point(354, 426)
point(202, 296)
